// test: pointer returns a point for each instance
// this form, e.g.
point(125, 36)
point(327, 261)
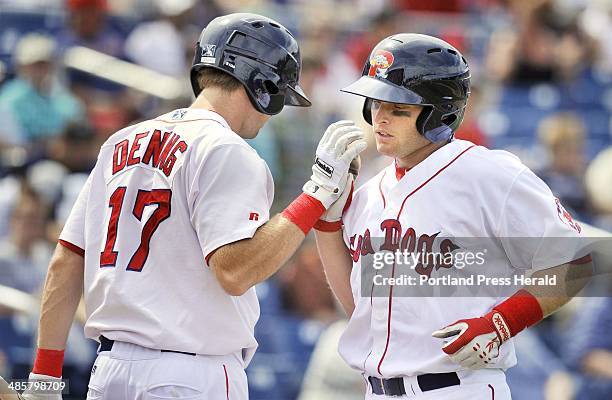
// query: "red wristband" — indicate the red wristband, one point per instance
point(49, 362)
point(304, 211)
point(520, 311)
point(327, 226)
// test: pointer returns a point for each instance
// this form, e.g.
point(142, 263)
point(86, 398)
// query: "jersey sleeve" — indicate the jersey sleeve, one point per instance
point(230, 196)
point(73, 233)
point(535, 230)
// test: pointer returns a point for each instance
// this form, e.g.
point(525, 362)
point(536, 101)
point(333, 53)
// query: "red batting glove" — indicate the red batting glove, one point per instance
point(475, 342)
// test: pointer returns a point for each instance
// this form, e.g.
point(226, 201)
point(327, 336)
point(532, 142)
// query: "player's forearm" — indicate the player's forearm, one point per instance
point(241, 265)
point(61, 295)
point(337, 265)
point(570, 278)
point(475, 342)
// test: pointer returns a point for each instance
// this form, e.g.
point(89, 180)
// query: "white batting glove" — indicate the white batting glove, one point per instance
point(6, 393)
point(340, 144)
point(43, 387)
point(331, 220)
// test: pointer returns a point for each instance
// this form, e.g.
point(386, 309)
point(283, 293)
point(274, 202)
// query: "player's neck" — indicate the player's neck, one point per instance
point(231, 106)
point(413, 158)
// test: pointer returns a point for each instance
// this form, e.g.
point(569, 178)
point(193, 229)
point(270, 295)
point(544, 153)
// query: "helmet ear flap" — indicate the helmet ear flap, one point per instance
point(367, 110)
point(423, 118)
point(434, 131)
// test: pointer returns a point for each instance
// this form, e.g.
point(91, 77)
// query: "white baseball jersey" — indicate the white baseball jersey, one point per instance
point(459, 191)
point(164, 194)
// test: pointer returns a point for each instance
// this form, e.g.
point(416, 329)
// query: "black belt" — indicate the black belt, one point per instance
point(106, 345)
point(427, 382)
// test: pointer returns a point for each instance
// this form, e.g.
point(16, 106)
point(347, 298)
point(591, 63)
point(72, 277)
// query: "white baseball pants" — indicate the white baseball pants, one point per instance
point(484, 384)
point(132, 372)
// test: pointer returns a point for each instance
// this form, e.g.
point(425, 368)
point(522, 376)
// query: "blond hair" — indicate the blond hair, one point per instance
point(560, 129)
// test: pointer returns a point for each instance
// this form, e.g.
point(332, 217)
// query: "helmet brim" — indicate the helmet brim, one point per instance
point(296, 97)
point(377, 89)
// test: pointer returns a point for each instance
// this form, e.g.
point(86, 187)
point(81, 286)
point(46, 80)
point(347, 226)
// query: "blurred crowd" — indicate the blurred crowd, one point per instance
point(541, 88)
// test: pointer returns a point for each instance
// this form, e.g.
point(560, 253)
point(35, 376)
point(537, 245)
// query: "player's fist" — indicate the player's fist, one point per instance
point(474, 342)
point(331, 220)
point(339, 146)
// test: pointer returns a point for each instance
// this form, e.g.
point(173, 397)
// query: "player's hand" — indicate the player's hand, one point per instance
point(6, 393)
point(475, 342)
point(48, 394)
point(355, 166)
point(341, 143)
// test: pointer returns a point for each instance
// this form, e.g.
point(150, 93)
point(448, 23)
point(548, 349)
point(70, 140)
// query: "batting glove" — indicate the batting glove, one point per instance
point(331, 220)
point(43, 387)
point(476, 341)
point(341, 143)
point(6, 393)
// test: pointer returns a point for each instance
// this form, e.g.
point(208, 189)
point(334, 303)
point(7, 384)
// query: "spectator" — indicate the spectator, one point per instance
point(334, 69)
point(88, 26)
point(71, 156)
point(297, 306)
point(523, 54)
point(24, 256)
point(590, 349)
point(382, 25)
point(75, 148)
point(162, 39)
point(598, 181)
point(596, 21)
point(574, 52)
point(25, 253)
point(36, 103)
point(563, 136)
point(441, 6)
point(540, 373)
point(303, 286)
point(544, 47)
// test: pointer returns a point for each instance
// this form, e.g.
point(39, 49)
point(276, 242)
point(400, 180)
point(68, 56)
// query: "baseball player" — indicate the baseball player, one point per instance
point(172, 230)
point(416, 88)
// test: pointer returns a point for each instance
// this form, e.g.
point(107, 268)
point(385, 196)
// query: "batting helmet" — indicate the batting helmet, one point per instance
point(258, 51)
point(417, 69)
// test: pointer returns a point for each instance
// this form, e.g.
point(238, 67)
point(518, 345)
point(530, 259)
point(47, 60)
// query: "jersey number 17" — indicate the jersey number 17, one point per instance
point(144, 198)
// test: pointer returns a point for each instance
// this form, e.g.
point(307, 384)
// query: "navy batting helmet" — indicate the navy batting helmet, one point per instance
point(258, 51)
point(417, 69)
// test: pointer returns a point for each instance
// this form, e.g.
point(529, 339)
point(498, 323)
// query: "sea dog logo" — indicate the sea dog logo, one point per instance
point(566, 217)
point(380, 61)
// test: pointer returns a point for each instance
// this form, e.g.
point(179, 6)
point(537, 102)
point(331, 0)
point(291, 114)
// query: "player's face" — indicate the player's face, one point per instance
point(395, 128)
